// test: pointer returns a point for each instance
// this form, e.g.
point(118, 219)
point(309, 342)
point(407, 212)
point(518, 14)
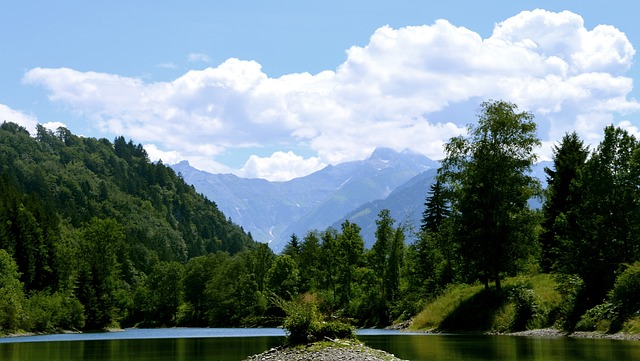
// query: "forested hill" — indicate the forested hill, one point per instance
point(62, 194)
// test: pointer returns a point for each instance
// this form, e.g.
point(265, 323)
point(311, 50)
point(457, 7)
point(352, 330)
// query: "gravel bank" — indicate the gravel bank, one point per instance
point(325, 351)
point(551, 332)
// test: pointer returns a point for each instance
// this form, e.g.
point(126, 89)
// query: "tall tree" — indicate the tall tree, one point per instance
point(292, 248)
point(283, 277)
point(385, 259)
point(11, 294)
point(329, 250)
point(561, 194)
point(487, 174)
point(436, 208)
point(350, 248)
point(381, 247)
point(98, 275)
point(165, 288)
point(310, 262)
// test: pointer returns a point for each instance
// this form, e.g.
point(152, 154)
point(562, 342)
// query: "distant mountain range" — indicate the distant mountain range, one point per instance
point(272, 211)
point(357, 190)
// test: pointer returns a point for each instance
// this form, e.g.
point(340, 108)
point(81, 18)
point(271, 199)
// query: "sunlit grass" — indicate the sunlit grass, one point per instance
point(632, 325)
point(466, 307)
point(436, 311)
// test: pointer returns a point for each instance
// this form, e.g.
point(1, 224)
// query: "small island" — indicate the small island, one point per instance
point(331, 350)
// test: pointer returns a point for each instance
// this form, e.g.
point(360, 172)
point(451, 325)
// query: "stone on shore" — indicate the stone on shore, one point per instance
point(336, 350)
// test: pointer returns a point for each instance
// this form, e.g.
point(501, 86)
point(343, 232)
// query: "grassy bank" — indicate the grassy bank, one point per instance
point(525, 303)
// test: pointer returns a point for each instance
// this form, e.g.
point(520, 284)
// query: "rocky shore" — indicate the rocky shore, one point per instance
point(336, 350)
point(551, 332)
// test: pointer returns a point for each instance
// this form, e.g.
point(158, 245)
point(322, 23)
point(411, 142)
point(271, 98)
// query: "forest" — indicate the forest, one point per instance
point(95, 236)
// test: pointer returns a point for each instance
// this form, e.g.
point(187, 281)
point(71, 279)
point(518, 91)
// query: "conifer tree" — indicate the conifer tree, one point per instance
point(562, 195)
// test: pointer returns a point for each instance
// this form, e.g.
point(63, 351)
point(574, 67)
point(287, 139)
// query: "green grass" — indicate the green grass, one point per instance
point(474, 309)
point(632, 325)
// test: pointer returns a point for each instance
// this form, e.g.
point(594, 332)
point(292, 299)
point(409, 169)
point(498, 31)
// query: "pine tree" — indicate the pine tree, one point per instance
point(436, 208)
point(561, 195)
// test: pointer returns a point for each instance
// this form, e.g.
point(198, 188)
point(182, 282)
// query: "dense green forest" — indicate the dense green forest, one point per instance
point(93, 235)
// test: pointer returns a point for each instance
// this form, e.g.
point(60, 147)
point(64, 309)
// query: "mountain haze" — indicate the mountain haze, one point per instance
point(272, 211)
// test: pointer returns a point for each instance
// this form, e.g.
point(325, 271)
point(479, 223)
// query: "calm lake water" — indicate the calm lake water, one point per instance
point(184, 344)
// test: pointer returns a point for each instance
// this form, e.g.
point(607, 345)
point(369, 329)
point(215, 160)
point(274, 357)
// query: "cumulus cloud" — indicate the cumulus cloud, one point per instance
point(53, 126)
point(280, 166)
point(14, 116)
point(412, 87)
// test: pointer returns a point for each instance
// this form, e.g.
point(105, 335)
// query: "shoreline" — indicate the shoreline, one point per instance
point(552, 332)
point(544, 332)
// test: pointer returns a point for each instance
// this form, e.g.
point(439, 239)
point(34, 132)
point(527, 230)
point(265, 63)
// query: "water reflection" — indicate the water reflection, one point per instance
point(179, 349)
point(504, 348)
point(183, 345)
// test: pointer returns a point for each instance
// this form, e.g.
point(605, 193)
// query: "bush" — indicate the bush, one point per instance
point(48, 313)
point(598, 318)
point(526, 306)
point(626, 290)
point(304, 323)
point(571, 288)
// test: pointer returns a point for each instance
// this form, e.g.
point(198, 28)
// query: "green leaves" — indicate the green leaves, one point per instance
point(486, 176)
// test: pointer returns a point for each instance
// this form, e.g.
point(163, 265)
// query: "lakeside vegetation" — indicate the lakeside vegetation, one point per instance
point(93, 235)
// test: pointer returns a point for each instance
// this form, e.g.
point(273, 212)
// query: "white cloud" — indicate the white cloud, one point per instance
point(14, 116)
point(280, 166)
point(198, 58)
point(53, 126)
point(412, 87)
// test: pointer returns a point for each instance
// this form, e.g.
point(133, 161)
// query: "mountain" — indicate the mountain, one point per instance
point(406, 204)
point(272, 211)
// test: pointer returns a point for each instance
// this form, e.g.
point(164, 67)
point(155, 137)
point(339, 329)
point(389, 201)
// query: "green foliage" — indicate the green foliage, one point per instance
point(11, 294)
point(598, 318)
point(626, 290)
point(90, 220)
point(602, 230)
point(50, 313)
point(526, 306)
point(528, 303)
point(165, 292)
point(436, 209)
point(304, 323)
point(561, 196)
point(283, 277)
point(571, 287)
point(486, 176)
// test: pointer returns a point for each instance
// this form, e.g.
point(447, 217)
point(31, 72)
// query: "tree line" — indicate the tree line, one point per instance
point(97, 236)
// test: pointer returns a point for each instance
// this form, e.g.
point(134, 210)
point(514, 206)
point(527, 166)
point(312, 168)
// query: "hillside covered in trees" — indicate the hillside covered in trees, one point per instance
point(88, 227)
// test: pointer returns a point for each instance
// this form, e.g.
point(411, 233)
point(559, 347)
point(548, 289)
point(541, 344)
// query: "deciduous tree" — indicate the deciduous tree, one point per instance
point(487, 175)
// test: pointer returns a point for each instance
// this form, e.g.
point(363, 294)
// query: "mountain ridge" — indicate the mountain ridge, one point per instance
point(272, 211)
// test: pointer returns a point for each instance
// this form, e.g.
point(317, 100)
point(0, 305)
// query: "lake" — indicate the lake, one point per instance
point(203, 344)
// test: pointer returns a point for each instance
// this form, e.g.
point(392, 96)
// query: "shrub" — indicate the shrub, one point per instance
point(304, 323)
point(48, 313)
point(626, 290)
point(598, 318)
point(571, 288)
point(526, 306)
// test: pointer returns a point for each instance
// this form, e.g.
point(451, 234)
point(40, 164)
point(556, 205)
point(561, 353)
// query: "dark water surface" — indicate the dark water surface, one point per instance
point(237, 344)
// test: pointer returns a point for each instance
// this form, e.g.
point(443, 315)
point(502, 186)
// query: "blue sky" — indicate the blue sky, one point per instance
point(278, 89)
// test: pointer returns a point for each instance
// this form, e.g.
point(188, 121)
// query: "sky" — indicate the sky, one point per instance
point(279, 89)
